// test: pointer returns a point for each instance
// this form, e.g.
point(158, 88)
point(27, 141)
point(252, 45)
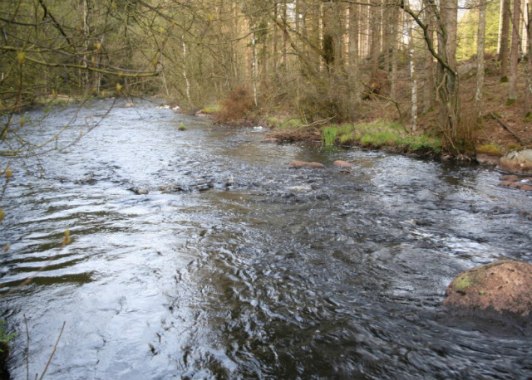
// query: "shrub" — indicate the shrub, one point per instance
point(236, 107)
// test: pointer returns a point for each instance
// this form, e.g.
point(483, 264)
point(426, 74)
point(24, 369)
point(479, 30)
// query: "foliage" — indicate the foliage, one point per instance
point(467, 31)
point(5, 337)
point(182, 127)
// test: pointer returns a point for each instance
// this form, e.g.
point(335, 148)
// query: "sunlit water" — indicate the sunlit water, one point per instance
point(236, 266)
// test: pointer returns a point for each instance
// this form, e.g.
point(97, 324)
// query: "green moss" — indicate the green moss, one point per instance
point(211, 108)
point(462, 283)
point(491, 148)
point(181, 127)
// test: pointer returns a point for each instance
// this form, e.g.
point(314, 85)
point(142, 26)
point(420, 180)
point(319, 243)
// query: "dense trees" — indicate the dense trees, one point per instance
point(319, 59)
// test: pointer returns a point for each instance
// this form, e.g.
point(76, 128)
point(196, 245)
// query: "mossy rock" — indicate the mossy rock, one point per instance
point(517, 162)
point(504, 286)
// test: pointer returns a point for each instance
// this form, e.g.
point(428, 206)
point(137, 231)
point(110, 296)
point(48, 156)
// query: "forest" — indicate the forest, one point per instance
point(422, 63)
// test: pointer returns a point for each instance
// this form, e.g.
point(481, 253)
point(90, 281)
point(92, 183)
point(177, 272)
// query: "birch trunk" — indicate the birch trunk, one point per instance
point(480, 56)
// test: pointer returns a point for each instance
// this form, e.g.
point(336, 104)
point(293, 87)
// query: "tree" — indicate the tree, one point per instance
point(445, 55)
point(514, 51)
point(480, 56)
point(504, 38)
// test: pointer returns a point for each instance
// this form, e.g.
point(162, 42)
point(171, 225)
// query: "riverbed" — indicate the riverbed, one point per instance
point(200, 253)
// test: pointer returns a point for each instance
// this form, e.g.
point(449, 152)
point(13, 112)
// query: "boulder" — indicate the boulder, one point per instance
point(517, 162)
point(513, 181)
point(487, 159)
point(306, 164)
point(504, 286)
point(342, 164)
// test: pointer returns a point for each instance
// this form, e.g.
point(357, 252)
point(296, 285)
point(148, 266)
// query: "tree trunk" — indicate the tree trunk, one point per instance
point(514, 52)
point(375, 46)
point(413, 78)
point(504, 37)
point(480, 56)
point(354, 53)
point(254, 68)
point(185, 75)
point(529, 66)
point(428, 75)
point(448, 86)
point(285, 37)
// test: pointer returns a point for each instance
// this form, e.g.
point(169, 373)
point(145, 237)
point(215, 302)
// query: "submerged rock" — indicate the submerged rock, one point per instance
point(504, 286)
point(306, 164)
point(487, 159)
point(513, 181)
point(139, 190)
point(342, 164)
point(517, 162)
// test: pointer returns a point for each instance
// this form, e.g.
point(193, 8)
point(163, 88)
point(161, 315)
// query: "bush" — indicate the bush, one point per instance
point(236, 108)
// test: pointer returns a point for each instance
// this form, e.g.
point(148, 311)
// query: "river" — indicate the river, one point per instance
point(200, 254)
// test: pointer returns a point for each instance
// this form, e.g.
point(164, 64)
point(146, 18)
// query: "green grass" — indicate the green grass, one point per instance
point(285, 123)
point(329, 136)
point(380, 134)
point(211, 109)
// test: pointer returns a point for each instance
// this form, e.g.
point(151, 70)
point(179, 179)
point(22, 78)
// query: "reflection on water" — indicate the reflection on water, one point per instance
point(232, 265)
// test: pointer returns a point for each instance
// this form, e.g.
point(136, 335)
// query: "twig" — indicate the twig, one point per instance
point(502, 124)
point(318, 122)
point(386, 98)
point(26, 353)
point(53, 352)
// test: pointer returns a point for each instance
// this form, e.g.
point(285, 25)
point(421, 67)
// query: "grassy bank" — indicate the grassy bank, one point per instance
point(379, 134)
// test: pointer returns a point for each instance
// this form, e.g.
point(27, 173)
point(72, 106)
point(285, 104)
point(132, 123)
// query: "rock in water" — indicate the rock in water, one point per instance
point(342, 164)
point(517, 162)
point(306, 164)
point(504, 286)
point(139, 190)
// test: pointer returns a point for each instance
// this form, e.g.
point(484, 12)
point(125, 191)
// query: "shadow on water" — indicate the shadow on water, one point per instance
point(201, 254)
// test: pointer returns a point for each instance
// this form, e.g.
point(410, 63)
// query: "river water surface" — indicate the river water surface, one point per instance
point(200, 254)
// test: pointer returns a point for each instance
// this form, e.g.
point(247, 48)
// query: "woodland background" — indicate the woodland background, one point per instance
point(447, 67)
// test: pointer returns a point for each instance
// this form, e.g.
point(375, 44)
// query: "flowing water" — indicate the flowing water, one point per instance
point(200, 254)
